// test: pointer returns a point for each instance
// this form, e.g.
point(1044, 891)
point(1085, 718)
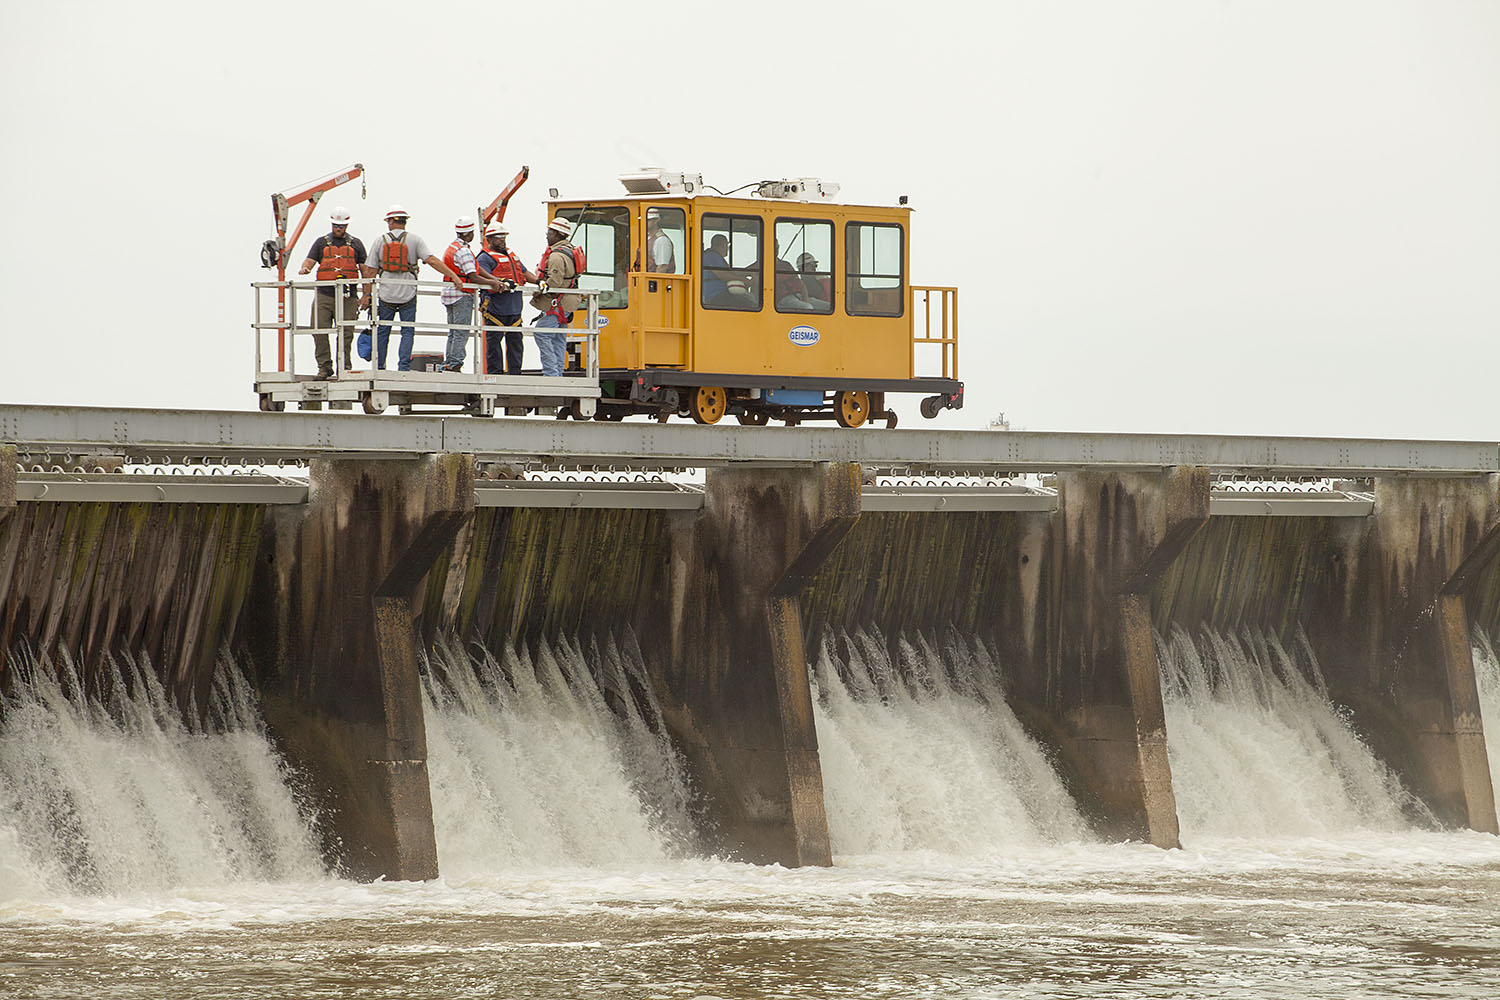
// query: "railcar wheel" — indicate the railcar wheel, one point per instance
point(851, 408)
point(754, 418)
point(707, 404)
point(931, 406)
point(373, 402)
point(270, 405)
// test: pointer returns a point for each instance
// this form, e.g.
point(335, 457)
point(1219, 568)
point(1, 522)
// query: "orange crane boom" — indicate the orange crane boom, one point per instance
point(496, 209)
point(274, 253)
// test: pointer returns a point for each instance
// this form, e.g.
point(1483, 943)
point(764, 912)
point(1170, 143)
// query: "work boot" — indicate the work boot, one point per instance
point(325, 373)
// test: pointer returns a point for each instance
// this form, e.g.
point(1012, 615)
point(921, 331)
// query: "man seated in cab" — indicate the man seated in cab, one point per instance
point(716, 269)
point(800, 292)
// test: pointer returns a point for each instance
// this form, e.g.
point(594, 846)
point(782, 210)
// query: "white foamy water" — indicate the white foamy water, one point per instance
point(536, 909)
point(1258, 750)
point(923, 754)
point(1487, 674)
point(126, 797)
point(530, 765)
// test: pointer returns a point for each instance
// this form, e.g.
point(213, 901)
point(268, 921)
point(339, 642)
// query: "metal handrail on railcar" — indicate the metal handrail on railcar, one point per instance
point(290, 330)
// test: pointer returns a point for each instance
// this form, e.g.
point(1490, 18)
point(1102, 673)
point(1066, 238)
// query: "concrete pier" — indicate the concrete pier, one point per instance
point(1117, 533)
point(1391, 629)
point(736, 691)
point(334, 619)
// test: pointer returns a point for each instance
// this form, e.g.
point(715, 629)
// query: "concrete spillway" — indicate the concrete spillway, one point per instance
point(736, 731)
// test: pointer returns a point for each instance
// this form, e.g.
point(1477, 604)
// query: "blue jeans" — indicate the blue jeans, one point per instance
point(408, 313)
point(551, 346)
point(460, 313)
point(514, 342)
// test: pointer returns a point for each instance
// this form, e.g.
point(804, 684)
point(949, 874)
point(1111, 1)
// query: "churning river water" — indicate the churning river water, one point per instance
point(141, 859)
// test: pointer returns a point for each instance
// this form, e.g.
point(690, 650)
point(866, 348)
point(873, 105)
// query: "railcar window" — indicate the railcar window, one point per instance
point(874, 254)
point(604, 236)
point(731, 261)
point(804, 266)
point(666, 240)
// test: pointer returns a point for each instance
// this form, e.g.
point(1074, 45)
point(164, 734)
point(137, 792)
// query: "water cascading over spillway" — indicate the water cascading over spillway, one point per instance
point(921, 752)
point(125, 796)
point(1258, 750)
point(1487, 675)
point(533, 764)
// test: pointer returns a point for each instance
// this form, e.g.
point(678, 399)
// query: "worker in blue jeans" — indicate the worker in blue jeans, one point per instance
point(560, 267)
point(396, 257)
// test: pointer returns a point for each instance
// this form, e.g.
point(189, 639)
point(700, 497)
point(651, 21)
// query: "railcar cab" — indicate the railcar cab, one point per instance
point(784, 305)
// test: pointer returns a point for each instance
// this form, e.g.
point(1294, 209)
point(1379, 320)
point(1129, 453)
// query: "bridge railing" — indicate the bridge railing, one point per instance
point(294, 331)
point(935, 306)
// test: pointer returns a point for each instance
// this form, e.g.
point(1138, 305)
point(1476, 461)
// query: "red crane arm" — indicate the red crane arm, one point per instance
point(496, 209)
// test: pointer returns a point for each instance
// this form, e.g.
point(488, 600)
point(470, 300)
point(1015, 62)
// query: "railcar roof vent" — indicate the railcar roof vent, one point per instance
point(654, 180)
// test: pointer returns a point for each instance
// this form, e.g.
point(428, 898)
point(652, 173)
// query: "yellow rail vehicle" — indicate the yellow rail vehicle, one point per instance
point(778, 306)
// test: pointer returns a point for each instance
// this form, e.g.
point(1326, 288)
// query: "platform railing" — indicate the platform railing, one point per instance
point(939, 303)
point(297, 329)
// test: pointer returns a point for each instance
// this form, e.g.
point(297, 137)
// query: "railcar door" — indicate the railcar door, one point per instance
point(661, 290)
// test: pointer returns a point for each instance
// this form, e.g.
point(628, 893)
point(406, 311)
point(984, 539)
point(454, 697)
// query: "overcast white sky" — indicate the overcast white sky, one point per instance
point(1211, 217)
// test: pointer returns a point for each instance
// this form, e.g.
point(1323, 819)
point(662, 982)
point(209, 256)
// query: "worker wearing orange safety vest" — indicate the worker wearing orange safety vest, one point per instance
point(503, 308)
point(337, 257)
point(397, 256)
point(560, 267)
point(458, 296)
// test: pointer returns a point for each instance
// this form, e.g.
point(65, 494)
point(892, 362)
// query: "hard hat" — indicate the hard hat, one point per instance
point(395, 212)
point(339, 216)
point(561, 225)
point(465, 224)
point(495, 229)
point(803, 260)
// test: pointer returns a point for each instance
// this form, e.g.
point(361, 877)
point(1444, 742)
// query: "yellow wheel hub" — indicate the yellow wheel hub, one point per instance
point(707, 404)
point(851, 408)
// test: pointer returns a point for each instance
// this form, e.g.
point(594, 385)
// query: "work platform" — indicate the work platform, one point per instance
point(373, 388)
point(460, 392)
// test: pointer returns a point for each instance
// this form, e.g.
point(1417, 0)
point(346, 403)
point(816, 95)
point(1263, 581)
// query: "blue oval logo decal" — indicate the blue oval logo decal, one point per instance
point(604, 321)
point(803, 336)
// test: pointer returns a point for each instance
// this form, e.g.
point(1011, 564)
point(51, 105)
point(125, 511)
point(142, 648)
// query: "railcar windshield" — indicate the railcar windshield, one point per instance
point(874, 254)
point(603, 233)
point(732, 262)
point(804, 266)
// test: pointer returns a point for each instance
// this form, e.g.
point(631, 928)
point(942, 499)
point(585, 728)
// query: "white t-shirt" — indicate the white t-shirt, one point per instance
point(661, 252)
point(399, 287)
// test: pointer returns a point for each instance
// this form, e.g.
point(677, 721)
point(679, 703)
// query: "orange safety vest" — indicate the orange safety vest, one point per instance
point(450, 257)
point(394, 255)
point(337, 262)
point(507, 266)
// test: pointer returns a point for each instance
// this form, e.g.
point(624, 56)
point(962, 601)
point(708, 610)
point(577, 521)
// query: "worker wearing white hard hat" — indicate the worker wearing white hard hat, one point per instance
point(502, 308)
point(458, 296)
point(559, 268)
point(338, 257)
point(396, 258)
